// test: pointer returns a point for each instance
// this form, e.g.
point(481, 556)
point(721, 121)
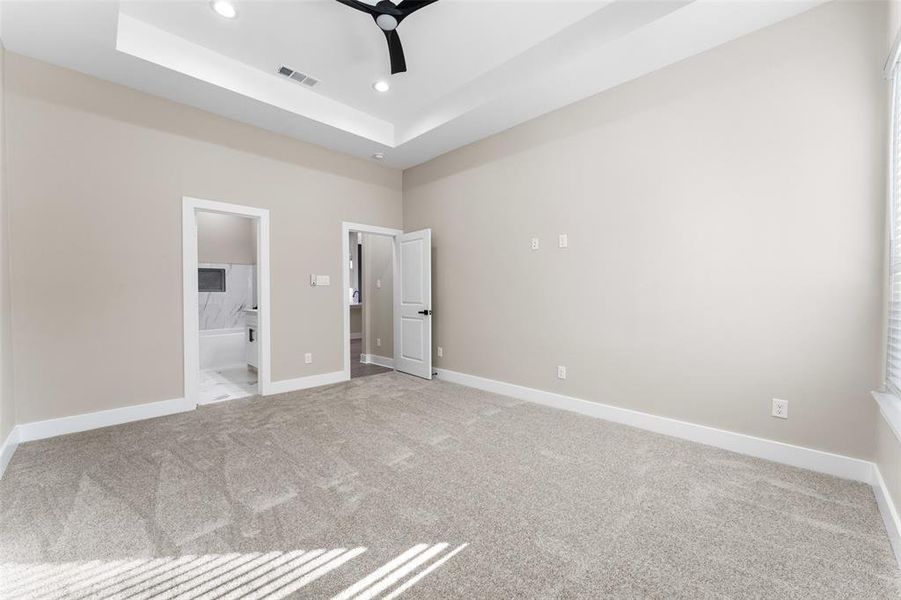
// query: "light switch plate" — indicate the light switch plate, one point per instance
point(378, 283)
point(308, 358)
point(534, 244)
point(563, 240)
point(440, 351)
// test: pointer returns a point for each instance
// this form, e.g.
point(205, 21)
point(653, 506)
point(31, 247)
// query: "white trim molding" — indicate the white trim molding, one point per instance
point(39, 430)
point(890, 410)
point(888, 511)
point(837, 465)
point(890, 407)
point(891, 61)
point(375, 359)
point(303, 383)
point(8, 449)
point(796, 456)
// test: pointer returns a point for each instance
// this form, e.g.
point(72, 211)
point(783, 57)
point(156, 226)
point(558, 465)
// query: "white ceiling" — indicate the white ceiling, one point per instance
point(474, 67)
point(445, 47)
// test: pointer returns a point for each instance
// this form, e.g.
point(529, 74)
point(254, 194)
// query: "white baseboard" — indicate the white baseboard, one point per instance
point(888, 511)
point(375, 359)
point(796, 456)
point(303, 383)
point(39, 430)
point(8, 449)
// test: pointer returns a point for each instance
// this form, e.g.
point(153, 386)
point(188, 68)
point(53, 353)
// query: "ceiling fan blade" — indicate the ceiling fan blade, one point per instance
point(411, 6)
point(396, 51)
point(360, 6)
point(387, 7)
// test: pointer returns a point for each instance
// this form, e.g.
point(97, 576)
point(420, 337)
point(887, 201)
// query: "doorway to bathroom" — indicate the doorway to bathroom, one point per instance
point(226, 300)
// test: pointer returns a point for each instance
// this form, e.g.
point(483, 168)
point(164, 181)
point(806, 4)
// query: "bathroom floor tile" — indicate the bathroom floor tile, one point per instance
point(229, 383)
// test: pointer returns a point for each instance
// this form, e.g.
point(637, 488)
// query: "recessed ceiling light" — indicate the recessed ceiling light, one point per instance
point(381, 86)
point(224, 8)
point(378, 156)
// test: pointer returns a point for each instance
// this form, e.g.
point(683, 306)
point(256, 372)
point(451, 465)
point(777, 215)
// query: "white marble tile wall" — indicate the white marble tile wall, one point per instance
point(225, 310)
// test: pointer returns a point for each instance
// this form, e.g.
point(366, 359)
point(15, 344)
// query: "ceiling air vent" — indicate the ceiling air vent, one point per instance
point(297, 76)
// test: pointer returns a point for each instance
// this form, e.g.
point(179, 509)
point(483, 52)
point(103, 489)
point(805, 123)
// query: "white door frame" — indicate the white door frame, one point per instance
point(346, 229)
point(190, 208)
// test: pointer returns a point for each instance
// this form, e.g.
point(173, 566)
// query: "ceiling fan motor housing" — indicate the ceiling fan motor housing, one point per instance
point(386, 22)
point(388, 16)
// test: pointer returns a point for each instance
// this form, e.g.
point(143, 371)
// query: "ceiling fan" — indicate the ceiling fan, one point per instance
point(388, 16)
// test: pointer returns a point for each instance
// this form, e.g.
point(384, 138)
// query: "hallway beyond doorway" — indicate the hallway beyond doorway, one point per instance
point(358, 369)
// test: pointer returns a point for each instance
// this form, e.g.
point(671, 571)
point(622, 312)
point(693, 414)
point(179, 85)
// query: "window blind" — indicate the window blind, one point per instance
point(893, 354)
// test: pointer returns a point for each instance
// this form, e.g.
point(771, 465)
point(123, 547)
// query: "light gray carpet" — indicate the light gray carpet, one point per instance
point(307, 494)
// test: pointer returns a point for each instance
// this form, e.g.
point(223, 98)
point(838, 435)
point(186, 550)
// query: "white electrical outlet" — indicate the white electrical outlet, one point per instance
point(534, 245)
point(378, 283)
point(308, 358)
point(440, 351)
point(378, 341)
point(780, 408)
point(561, 372)
point(563, 240)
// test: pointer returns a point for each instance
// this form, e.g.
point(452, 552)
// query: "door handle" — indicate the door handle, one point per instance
point(425, 312)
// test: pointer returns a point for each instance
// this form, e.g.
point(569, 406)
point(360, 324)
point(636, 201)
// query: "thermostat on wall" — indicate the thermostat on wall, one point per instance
point(318, 280)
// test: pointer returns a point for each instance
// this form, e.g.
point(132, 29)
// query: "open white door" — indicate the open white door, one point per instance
point(413, 304)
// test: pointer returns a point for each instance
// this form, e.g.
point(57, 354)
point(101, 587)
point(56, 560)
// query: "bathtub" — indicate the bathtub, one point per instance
point(223, 348)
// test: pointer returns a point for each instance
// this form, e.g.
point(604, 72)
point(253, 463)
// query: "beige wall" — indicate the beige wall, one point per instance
point(888, 447)
point(7, 405)
point(893, 21)
point(730, 209)
point(226, 239)
point(378, 304)
point(729, 277)
point(95, 191)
